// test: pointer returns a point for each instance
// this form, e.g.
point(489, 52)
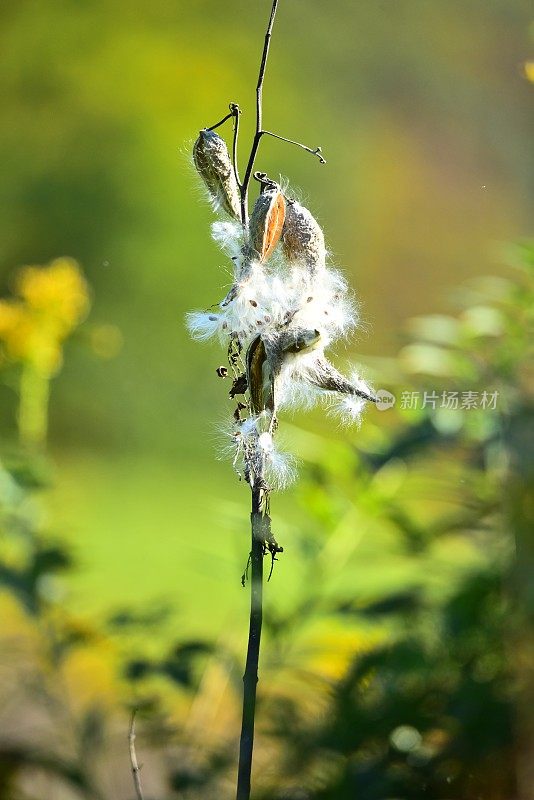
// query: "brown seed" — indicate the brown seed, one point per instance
point(253, 303)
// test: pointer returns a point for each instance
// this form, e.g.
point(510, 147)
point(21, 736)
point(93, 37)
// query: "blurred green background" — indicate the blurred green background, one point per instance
point(424, 114)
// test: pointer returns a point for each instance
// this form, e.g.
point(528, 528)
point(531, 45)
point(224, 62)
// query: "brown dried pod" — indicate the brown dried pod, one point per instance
point(214, 166)
point(259, 377)
point(302, 238)
point(325, 376)
point(267, 220)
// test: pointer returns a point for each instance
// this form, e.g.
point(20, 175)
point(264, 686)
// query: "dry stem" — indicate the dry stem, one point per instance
point(133, 759)
point(250, 678)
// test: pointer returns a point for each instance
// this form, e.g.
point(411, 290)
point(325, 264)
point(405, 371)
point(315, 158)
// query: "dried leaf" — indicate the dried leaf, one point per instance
point(326, 377)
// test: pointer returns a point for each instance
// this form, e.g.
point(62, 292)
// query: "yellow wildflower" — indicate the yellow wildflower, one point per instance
point(53, 300)
point(10, 314)
point(58, 291)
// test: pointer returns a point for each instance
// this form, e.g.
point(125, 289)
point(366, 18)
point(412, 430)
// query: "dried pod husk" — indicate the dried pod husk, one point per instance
point(302, 238)
point(288, 343)
point(285, 347)
point(299, 340)
point(267, 221)
point(214, 166)
point(325, 376)
point(259, 378)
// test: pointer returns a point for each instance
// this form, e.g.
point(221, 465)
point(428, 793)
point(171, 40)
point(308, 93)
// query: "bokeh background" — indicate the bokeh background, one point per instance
point(396, 655)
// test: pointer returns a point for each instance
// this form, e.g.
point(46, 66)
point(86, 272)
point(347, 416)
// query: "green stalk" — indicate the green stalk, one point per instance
point(33, 407)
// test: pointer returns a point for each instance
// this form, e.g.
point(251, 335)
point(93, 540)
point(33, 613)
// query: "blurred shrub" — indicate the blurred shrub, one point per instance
point(395, 665)
point(427, 514)
point(56, 733)
point(396, 668)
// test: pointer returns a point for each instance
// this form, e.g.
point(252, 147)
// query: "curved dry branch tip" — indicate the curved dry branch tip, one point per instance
point(221, 122)
point(136, 769)
point(317, 151)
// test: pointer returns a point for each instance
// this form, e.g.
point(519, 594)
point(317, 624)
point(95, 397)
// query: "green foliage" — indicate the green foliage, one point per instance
point(387, 670)
point(429, 712)
point(394, 666)
point(31, 562)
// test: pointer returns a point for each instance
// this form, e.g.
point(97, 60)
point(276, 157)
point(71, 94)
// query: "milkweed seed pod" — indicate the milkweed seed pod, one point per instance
point(288, 344)
point(214, 166)
point(302, 238)
point(259, 378)
point(267, 221)
point(326, 377)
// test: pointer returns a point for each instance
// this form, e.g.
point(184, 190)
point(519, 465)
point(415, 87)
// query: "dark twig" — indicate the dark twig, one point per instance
point(244, 576)
point(244, 186)
point(133, 758)
point(236, 111)
point(223, 120)
point(259, 118)
point(250, 678)
point(315, 152)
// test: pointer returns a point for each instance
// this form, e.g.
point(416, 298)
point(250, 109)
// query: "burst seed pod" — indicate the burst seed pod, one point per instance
point(267, 219)
point(299, 340)
point(259, 378)
point(214, 166)
point(326, 377)
point(302, 238)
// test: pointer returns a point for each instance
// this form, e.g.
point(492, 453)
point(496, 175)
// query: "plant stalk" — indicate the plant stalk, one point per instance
point(33, 407)
point(250, 677)
point(133, 759)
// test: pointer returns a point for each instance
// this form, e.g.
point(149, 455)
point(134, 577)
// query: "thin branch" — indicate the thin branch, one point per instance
point(236, 111)
point(315, 152)
point(250, 677)
point(133, 758)
point(223, 120)
point(259, 113)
